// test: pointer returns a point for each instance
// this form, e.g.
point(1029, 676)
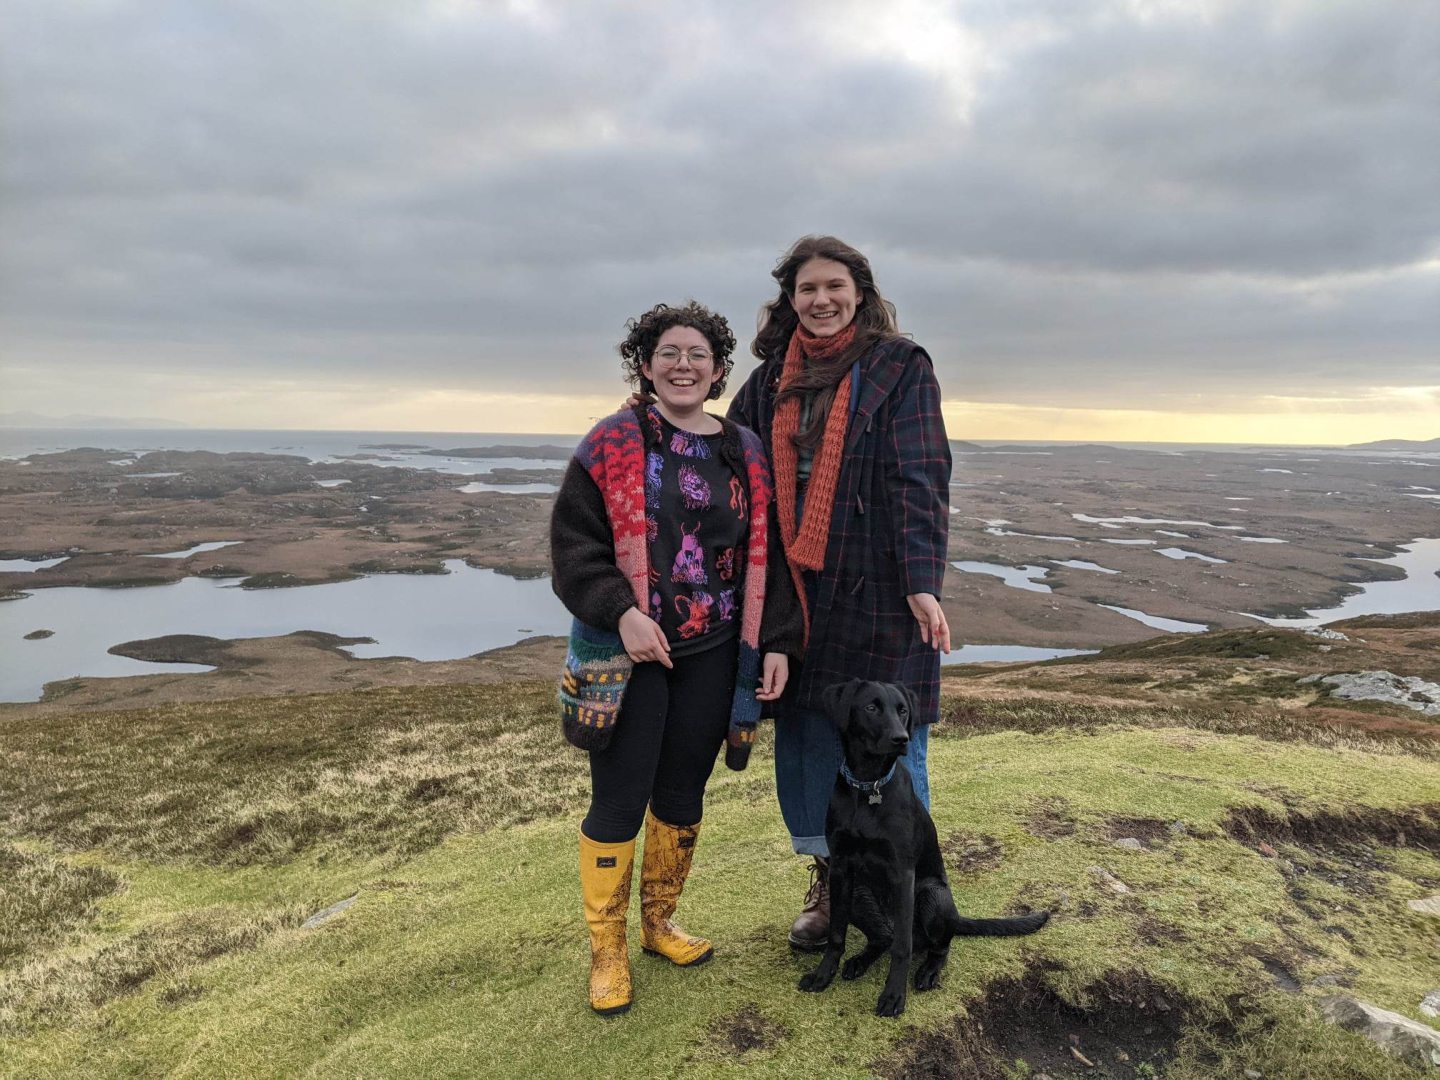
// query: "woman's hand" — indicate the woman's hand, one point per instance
point(637, 398)
point(775, 673)
point(934, 630)
point(643, 638)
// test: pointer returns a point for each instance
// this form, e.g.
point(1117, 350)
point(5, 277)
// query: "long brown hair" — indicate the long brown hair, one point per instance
point(874, 322)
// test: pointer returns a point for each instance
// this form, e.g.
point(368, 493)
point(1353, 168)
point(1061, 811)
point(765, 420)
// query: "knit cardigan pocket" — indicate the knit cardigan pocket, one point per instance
point(592, 686)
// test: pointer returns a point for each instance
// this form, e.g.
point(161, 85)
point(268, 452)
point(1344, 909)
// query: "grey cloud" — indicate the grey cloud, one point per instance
point(1131, 207)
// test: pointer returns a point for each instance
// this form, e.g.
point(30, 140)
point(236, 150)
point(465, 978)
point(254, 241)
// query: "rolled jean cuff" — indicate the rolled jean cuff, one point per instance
point(810, 845)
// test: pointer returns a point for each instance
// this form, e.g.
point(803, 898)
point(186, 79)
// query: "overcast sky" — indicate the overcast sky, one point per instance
point(1195, 220)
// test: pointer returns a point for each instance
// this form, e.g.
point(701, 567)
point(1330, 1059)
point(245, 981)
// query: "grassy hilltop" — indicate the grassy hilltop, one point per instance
point(157, 867)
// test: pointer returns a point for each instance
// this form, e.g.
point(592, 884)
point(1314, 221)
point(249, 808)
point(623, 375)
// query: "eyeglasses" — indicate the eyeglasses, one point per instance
point(669, 355)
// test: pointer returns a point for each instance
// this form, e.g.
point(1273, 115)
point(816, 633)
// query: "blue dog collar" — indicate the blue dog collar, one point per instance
point(872, 786)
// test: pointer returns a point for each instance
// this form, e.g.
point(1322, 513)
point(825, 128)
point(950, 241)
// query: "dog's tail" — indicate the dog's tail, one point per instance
point(1020, 924)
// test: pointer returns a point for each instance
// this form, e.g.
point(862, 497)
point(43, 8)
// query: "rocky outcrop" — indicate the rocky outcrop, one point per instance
point(1407, 690)
point(1409, 1040)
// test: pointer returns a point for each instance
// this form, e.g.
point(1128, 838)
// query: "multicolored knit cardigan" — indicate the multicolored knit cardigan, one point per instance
point(597, 669)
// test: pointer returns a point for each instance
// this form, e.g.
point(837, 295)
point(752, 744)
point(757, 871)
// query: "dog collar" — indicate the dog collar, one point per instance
point(872, 786)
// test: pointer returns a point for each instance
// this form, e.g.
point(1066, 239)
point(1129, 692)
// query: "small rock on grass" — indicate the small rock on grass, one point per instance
point(1409, 1040)
point(1428, 906)
point(1129, 843)
point(329, 913)
point(1266, 850)
point(1430, 1004)
point(1253, 1074)
point(1109, 880)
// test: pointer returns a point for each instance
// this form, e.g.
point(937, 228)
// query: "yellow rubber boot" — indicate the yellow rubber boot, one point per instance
point(605, 871)
point(668, 850)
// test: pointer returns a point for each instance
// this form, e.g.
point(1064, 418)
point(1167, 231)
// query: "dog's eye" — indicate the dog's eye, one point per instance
point(904, 711)
point(870, 707)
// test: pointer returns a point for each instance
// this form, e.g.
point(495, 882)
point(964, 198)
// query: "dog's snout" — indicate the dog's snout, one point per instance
point(899, 742)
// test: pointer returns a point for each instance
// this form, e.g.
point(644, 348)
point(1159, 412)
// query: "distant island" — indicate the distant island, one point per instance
point(75, 420)
point(546, 452)
point(1397, 444)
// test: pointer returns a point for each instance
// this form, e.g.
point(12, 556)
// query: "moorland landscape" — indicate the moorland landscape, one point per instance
point(303, 862)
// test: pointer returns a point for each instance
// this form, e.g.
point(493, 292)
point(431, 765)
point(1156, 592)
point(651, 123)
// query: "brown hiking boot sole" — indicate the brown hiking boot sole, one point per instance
point(807, 944)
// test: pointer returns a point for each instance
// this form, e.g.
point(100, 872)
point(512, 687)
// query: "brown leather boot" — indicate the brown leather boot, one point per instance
point(668, 851)
point(812, 929)
point(605, 885)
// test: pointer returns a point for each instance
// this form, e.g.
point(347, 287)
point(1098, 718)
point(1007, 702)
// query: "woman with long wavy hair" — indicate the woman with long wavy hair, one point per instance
point(849, 411)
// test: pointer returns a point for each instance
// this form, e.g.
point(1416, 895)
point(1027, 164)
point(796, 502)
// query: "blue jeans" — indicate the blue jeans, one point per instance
point(807, 759)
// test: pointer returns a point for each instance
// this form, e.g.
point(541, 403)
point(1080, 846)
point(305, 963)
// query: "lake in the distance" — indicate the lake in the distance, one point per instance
point(317, 446)
point(1419, 590)
point(425, 616)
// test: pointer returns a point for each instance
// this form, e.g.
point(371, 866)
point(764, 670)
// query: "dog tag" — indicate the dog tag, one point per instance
point(875, 798)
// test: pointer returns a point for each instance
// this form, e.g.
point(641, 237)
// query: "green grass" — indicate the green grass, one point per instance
point(264, 780)
point(171, 855)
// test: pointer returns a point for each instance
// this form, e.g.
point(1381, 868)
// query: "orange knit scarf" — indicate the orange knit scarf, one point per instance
point(805, 544)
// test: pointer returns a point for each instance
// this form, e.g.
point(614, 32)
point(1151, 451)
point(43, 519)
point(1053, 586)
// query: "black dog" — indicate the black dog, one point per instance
point(886, 875)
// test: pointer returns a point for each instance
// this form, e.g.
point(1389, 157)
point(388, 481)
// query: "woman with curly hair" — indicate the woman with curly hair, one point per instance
point(660, 541)
point(849, 410)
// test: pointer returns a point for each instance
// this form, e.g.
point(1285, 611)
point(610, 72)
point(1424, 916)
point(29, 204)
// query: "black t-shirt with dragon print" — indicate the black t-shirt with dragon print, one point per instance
point(697, 518)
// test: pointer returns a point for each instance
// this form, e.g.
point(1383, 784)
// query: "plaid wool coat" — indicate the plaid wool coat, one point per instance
point(888, 532)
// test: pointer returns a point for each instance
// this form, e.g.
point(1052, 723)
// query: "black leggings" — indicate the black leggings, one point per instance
point(670, 728)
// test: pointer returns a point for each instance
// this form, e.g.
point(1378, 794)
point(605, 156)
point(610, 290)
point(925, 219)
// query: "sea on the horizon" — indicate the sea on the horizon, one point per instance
point(315, 445)
point(328, 445)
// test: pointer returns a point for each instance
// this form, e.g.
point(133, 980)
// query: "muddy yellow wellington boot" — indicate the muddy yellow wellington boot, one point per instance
point(668, 850)
point(605, 883)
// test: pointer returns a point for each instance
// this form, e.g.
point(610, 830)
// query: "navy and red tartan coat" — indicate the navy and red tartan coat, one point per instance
point(889, 530)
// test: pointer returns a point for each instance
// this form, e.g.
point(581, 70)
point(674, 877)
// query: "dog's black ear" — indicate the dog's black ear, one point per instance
point(837, 699)
point(912, 709)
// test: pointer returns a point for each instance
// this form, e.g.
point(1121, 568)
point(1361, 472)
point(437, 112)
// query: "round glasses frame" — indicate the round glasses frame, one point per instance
point(669, 356)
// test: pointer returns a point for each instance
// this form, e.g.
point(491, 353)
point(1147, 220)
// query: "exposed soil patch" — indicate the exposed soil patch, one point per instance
point(747, 1030)
point(1152, 931)
point(1051, 819)
point(1330, 832)
point(1148, 831)
point(1352, 867)
point(971, 853)
point(1132, 1028)
point(1280, 975)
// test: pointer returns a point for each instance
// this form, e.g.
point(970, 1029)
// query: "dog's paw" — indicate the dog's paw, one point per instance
point(891, 1003)
point(927, 976)
point(854, 968)
point(816, 981)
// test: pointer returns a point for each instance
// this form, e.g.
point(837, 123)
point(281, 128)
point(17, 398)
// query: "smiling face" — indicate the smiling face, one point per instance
point(825, 297)
point(682, 384)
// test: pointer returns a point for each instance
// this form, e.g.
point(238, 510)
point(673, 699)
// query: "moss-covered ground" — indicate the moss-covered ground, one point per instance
point(156, 867)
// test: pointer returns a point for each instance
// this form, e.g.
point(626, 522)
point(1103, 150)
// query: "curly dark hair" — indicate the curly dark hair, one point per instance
point(645, 332)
